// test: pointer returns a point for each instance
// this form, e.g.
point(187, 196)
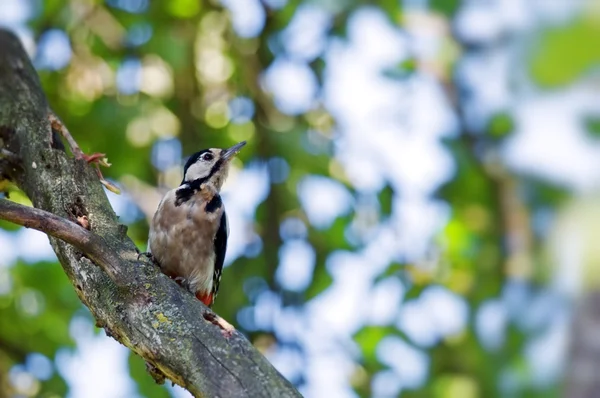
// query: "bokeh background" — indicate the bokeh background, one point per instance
point(415, 214)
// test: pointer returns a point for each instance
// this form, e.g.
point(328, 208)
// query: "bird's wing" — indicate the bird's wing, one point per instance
point(220, 249)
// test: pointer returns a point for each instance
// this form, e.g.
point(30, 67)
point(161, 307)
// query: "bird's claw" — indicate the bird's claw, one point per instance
point(183, 282)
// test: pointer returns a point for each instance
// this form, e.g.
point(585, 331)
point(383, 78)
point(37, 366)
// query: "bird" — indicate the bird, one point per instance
point(189, 231)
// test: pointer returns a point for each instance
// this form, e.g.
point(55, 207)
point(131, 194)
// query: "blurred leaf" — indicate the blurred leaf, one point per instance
point(392, 8)
point(147, 387)
point(592, 126)
point(501, 125)
point(470, 183)
point(456, 386)
point(386, 197)
point(171, 45)
point(402, 71)
point(8, 226)
point(44, 301)
point(334, 237)
point(18, 196)
point(566, 53)
point(539, 194)
point(282, 18)
point(54, 387)
point(446, 7)
point(320, 282)
point(183, 8)
point(369, 337)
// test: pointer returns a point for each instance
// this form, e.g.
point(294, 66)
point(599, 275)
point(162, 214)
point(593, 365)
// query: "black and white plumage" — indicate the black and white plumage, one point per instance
point(188, 233)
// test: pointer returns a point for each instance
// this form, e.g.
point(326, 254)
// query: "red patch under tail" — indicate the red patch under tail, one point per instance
point(207, 299)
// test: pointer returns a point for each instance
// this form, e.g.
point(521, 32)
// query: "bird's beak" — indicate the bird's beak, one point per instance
point(231, 152)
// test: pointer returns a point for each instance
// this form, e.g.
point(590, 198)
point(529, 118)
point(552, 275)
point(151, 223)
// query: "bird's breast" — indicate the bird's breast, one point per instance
point(182, 239)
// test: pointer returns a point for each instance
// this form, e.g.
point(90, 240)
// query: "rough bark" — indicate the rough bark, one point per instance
point(581, 379)
point(130, 298)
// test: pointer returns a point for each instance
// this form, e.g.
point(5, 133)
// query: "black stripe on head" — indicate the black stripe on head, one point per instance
point(191, 160)
point(187, 189)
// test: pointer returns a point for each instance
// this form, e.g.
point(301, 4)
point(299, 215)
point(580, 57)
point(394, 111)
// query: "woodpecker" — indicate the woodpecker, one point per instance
point(188, 233)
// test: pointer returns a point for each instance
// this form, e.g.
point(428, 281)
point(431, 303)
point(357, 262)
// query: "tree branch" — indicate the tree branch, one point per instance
point(135, 303)
point(58, 227)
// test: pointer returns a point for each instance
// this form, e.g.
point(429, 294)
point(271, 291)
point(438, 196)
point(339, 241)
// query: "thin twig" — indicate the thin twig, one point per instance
point(97, 159)
point(57, 125)
point(88, 242)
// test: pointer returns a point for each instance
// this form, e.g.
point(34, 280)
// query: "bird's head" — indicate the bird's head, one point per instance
point(210, 165)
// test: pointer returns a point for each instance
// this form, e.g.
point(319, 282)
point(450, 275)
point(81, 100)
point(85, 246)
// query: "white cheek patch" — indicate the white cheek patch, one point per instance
point(198, 170)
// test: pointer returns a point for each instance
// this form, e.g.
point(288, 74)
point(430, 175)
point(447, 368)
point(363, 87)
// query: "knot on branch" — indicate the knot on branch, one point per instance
point(78, 213)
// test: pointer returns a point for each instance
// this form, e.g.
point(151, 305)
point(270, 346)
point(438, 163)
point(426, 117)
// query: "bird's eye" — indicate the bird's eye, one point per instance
point(207, 157)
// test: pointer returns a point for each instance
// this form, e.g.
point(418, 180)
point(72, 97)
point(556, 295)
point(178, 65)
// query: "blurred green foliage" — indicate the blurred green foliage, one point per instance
point(193, 64)
point(566, 53)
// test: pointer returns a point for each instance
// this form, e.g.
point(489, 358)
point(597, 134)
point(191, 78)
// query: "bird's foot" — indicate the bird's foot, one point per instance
point(183, 282)
point(227, 328)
